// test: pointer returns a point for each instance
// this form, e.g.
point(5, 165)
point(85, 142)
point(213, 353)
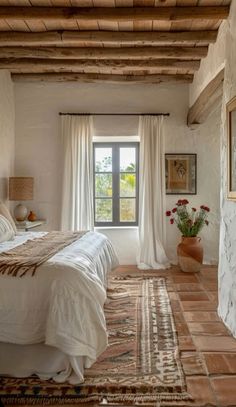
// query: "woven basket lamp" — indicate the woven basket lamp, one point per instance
point(21, 189)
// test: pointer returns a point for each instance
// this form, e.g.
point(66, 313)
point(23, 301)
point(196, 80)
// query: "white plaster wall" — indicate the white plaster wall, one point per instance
point(227, 264)
point(7, 136)
point(211, 65)
point(38, 147)
point(205, 141)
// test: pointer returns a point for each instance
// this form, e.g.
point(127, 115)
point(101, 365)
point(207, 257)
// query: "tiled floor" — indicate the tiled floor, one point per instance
point(208, 351)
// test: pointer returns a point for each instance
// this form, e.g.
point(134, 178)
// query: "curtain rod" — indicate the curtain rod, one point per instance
point(114, 114)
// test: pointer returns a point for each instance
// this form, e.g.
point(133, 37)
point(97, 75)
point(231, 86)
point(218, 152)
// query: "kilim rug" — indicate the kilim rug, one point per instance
point(141, 365)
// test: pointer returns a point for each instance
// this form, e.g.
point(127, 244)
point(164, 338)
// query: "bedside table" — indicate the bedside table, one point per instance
point(27, 225)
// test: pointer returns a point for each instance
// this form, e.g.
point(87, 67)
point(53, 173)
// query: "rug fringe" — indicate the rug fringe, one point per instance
point(48, 400)
point(147, 398)
point(120, 398)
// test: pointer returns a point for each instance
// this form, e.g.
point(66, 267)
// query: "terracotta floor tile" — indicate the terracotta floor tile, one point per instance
point(200, 389)
point(186, 343)
point(225, 390)
point(179, 317)
point(185, 278)
point(201, 316)
point(192, 363)
point(208, 273)
point(198, 306)
point(175, 305)
point(189, 287)
point(193, 296)
point(186, 287)
point(220, 363)
point(213, 296)
point(209, 286)
point(173, 296)
point(207, 328)
point(215, 343)
point(182, 329)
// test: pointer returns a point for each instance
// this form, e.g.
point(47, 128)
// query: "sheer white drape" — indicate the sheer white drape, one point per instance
point(152, 232)
point(77, 191)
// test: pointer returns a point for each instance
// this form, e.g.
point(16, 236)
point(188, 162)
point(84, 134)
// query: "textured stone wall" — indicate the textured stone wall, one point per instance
point(7, 131)
point(227, 265)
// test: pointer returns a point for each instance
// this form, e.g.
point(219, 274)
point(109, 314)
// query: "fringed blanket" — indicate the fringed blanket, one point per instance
point(26, 258)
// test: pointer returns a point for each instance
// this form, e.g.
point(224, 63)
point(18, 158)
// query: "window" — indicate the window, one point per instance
point(116, 184)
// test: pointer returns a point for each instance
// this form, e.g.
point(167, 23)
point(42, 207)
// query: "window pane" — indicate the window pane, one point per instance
point(103, 159)
point(103, 210)
point(127, 210)
point(103, 185)
point(127, 185)
point(127, 159)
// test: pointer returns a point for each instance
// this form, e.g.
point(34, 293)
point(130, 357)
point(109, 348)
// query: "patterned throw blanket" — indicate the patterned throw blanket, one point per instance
point(27, 257)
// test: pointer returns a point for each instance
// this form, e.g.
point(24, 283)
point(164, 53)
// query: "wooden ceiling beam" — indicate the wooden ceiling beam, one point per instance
point(207, 100)
point(41, 65)
point(104, 53)
point(78, 38)
point(118, 14)
point(101, 78)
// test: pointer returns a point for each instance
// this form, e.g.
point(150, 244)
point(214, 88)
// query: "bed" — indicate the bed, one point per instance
point(53, 324)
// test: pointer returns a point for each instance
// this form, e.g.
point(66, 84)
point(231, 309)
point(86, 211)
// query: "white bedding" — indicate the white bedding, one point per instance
point(62, 305)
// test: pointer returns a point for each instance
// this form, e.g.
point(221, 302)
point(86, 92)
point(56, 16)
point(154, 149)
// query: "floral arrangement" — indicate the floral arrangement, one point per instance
point(188, 220)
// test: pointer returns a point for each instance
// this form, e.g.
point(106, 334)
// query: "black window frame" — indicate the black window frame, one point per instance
point(115, 182)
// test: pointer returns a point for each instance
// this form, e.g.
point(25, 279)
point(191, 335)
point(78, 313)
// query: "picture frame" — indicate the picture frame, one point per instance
point(231, 149)
point(181, 174)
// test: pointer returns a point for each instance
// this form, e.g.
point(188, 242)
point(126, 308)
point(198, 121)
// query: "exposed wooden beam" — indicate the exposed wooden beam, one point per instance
point(114, 13)
point(104, 53)
point(93, 78)
point(78, 38)
point(42, 65)
point(207, 100)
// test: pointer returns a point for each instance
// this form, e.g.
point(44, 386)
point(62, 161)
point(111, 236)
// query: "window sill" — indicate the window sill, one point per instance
point(114, 227)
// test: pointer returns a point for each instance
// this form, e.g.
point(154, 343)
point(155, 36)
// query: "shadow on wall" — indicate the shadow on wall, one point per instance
point(3, 188)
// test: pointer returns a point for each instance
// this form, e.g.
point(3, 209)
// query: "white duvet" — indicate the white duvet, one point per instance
point(62, 305)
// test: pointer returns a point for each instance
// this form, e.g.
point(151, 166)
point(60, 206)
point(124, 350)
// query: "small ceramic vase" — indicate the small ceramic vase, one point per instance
point(32, 216)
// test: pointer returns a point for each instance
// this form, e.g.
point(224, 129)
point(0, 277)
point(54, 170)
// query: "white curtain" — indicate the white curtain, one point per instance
point(77, 190)
point(152, 194)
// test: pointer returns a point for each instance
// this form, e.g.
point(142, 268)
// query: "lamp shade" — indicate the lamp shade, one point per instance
point(21, 188)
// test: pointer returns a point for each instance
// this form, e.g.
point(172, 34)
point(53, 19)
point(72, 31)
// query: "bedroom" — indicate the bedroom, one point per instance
point(31, 146)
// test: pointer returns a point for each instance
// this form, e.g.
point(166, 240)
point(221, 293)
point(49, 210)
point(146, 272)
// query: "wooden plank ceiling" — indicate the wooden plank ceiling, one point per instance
point(107, 40)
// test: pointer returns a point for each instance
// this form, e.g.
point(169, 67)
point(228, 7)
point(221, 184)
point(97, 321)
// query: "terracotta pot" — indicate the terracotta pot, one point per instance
point(32, 216)
point(190, 254)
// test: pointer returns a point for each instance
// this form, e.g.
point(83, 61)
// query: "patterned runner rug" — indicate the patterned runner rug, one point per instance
point(141, 364)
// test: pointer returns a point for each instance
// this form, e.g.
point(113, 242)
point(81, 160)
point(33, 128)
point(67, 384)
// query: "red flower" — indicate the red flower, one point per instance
point(185, 202)
point(205, 208)
point(168, 213)
point(180, 202)
point(194, 209)
point(174, 210)
point(172, 221)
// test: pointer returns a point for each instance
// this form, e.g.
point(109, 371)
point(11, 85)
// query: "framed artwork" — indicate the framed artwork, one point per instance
point(181, 174)
point(231, 149)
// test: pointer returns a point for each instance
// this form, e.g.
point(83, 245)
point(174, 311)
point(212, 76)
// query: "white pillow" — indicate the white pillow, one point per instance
point(6, 230)
point(6, 213)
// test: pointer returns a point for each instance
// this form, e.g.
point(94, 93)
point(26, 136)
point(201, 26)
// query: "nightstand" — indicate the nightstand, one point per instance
point(27, 225)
